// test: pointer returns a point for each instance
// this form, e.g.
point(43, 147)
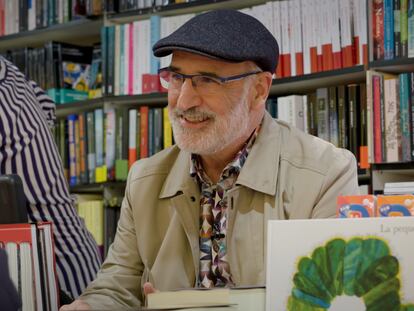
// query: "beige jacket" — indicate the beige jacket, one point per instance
point(287, 175)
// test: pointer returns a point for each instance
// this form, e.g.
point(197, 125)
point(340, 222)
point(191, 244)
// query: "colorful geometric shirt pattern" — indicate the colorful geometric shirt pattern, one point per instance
point(214, 266)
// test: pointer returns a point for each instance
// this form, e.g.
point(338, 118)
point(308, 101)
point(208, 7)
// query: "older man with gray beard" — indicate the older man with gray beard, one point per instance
point(195, 215)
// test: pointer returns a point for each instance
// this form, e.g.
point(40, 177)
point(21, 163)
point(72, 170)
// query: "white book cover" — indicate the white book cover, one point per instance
point(136, 81)
point(392, 117)
point(277, 26)
point(340, 264)
point(117, 59)
point(306, 34)
point(335, 29)
point(125, 78)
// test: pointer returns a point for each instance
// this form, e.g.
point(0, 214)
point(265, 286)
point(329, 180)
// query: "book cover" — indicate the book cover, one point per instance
point(356, 206)
point(395, 205)
point(340, 264)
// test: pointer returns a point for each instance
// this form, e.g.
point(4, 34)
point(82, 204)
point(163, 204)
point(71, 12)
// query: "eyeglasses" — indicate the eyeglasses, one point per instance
point(208, 84)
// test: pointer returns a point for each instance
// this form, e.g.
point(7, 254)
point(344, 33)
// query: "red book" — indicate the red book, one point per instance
point(286, 64)
point(377, 118)
point(279, 69)
point(144, 131)
point(327, 57)
point(378, 28)
point(299, 64)
point(150, 83)
point(314, 59)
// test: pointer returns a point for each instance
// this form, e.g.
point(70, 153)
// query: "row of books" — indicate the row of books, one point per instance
point(100, 217)
point(306, 44)
point(336, 114)
point(357, 206)
point(100, 146)
point(113, 6)
point(68, 72)
point(392, 29)
point(22, 15)
point(31, 264)
point(390, 117)
point(316, 35)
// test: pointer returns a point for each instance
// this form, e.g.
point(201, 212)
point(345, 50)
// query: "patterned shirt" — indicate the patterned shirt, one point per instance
point(27, 148)
point(214, 266)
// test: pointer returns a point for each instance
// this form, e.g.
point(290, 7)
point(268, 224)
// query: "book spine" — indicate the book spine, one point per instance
point(404, 28)
point(83, 148)
point(155, 22)
point(404, 117)
point(333, 116)
point(410, 28)
point(72, 151)
point(388, 29)
point(167, 128)
point(91, 146)
point(378, 29)
point(397, 28)
point(110, 133)
point(363, 126)
point(412, 113)
point(353, 119)
point(132, 151)
point(377, 119)
point(323, 113)
point(144, 131)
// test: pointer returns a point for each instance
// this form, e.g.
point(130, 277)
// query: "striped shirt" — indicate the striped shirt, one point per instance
point(27, 148)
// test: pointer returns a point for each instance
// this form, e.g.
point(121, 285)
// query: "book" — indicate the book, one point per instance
point(242, 299)
point(340, 264)
point(31, 261)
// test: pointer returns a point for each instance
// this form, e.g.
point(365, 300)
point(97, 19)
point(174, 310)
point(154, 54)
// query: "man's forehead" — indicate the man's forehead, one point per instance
point(186, 60)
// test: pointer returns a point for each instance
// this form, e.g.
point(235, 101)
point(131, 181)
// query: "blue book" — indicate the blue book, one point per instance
point(99, 137)
point(73, 180)
point(388, 29)
point(404, 117)
point(104, 47)
point(155, 30)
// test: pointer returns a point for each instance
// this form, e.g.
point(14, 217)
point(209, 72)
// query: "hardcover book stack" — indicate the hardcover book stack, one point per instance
point(31, 263)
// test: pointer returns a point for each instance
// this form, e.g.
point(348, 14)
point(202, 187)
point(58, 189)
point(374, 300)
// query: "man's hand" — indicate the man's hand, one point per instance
point(149, 289)
point(76, 305)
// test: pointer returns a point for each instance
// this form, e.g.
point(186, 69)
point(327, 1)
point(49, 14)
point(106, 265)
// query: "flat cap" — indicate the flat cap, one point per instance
point(224, 34)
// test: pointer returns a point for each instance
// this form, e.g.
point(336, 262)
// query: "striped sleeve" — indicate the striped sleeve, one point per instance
point(27, 148)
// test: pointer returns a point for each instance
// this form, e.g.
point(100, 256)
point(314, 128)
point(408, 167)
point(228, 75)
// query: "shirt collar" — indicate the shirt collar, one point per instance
point(234, 167)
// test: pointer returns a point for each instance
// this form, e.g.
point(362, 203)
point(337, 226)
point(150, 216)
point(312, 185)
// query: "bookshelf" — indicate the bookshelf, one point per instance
point(88, 31)
point(179, 9)
point(85, 30)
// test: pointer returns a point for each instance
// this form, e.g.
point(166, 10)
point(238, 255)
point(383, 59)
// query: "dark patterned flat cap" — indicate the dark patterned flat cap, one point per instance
point(224, 34)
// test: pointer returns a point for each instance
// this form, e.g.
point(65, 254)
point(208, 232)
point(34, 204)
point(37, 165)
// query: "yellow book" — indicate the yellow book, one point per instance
point(167, 128)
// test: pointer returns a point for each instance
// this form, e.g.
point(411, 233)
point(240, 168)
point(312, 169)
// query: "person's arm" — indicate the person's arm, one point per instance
point(341, 179)
point(118, 283)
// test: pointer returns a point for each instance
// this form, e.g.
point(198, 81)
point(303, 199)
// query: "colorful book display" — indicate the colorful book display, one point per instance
point(340, 264)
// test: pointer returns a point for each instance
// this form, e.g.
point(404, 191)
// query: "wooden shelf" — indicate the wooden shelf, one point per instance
point(81, 31)
point(77, 107)
point(307, 83)
point(397, 65)
point(181, 8)
point(393, 166)
point(96, 188)
point(153, 100)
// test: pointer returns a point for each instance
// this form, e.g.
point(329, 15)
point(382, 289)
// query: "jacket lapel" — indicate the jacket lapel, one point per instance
point(184, 194)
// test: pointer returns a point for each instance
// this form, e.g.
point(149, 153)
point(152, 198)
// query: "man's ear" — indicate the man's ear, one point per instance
point(262, 85)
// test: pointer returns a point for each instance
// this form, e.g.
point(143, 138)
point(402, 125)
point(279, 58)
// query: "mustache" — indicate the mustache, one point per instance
point(193, 112)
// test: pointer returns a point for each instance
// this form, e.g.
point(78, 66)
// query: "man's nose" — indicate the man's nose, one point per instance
point(189, 96)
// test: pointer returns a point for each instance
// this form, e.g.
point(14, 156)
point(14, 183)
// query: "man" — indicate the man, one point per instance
point(195, 215)
point(27, 149)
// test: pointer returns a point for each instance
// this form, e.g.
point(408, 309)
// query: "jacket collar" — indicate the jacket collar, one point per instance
point(259, 172)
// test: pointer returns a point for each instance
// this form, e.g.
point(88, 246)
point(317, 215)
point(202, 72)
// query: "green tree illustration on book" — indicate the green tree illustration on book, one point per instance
point(361, 268)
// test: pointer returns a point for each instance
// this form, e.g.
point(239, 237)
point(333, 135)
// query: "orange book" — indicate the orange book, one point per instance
point(327, 57)
point(355, 206)
point(144, 111)
point(395, 205)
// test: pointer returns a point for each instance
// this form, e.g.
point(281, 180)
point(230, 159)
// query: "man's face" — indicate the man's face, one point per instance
point(206, 123)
